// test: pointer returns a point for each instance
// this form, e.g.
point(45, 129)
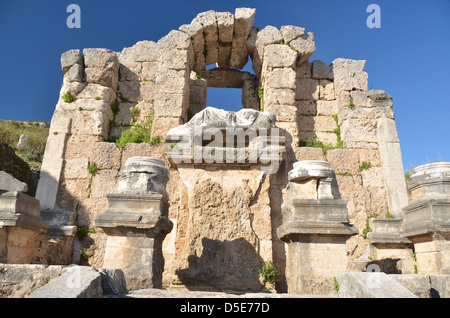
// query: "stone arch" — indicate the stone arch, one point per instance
point(211, 37)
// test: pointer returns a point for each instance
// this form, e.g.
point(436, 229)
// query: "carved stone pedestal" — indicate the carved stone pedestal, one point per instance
point(427, 218)
point(136, 223)
point(388, 246)
point(315, 228)
point(20, 224)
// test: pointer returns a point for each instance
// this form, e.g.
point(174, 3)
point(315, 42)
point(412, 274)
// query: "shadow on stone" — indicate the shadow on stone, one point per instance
point(230, 266)
point(386, 265)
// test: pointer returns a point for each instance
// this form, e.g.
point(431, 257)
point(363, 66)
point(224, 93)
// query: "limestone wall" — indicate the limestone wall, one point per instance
point(164, 82)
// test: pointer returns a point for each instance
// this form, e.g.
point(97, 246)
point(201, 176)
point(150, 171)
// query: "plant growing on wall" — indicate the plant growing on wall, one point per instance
point(268, 272)
point(68, 98)
point(92, 168)
point(365, 166)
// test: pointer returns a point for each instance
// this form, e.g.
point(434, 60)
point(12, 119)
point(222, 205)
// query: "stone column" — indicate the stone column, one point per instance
point(315, 228)
point(20, 221)
point(427, 217)
point(136, 222)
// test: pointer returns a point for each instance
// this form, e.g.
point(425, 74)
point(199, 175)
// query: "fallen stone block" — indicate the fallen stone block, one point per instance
point(75, 282)
point(371, 285)
point(419, 285)
point(9, 183)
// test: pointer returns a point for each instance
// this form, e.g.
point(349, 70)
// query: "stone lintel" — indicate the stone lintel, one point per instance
point(227, 78)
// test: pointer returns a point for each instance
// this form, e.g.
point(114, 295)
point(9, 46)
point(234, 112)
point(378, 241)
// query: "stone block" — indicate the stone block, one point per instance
point(387, 130)
point(359, 129)
point(327, 137)
point(90, 123)
point(148, 92)
point(419, 285)
point(281, 78)
point(306, 107)
point(170, 105)
point(373, 177)
point(250, 97)
point(130, 71)
point(129, 91)
point(309, 153)
point(149, 71)
point(123, 117)
point(230, 78)
point(70, 58)
point(76, 168)
point(75, 282)
point(279, 55)
point(327, 108)
point(371, 285)
point(243, 23)
point(326, 91)
point(142, 51)
point(173, 81)
point(180, 40)
point(283, 112)
point(305, 47)
point(102, 67)
point(379, 98)
point(104, 182)
point(225, 27)
point(344, 67)
point(390, 156)
point(173, 59)
point(74, 74)
point(105, 77)
point(93, 105)
point(279, 96)
point(440, 286)
point(97, 92)
point(321, 70)
point(304, 70)
point(324, 123)
point(291, 32)
point(344, 161)
point(161, 125)
point(349, 74)
point(9, 183)
point(306, 123)
point(307, 89)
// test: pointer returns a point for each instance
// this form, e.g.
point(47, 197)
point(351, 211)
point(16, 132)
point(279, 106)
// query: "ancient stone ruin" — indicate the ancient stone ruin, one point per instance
point(308, 176)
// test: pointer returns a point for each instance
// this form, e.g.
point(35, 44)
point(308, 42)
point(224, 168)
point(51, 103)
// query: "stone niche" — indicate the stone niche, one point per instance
point(315, 227)
point(224, 229)
point(427, 217)
point(136, 223)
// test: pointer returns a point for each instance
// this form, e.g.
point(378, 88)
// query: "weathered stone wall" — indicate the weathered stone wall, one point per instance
point(164, 81)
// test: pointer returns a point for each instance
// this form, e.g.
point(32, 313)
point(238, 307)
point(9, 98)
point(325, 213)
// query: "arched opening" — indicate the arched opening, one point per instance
point(226, 88)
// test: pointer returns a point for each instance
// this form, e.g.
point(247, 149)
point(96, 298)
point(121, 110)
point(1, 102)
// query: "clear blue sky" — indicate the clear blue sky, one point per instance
point(409, 56)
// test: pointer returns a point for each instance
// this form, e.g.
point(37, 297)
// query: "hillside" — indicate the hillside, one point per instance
point(23, 163)
point(37, 133)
